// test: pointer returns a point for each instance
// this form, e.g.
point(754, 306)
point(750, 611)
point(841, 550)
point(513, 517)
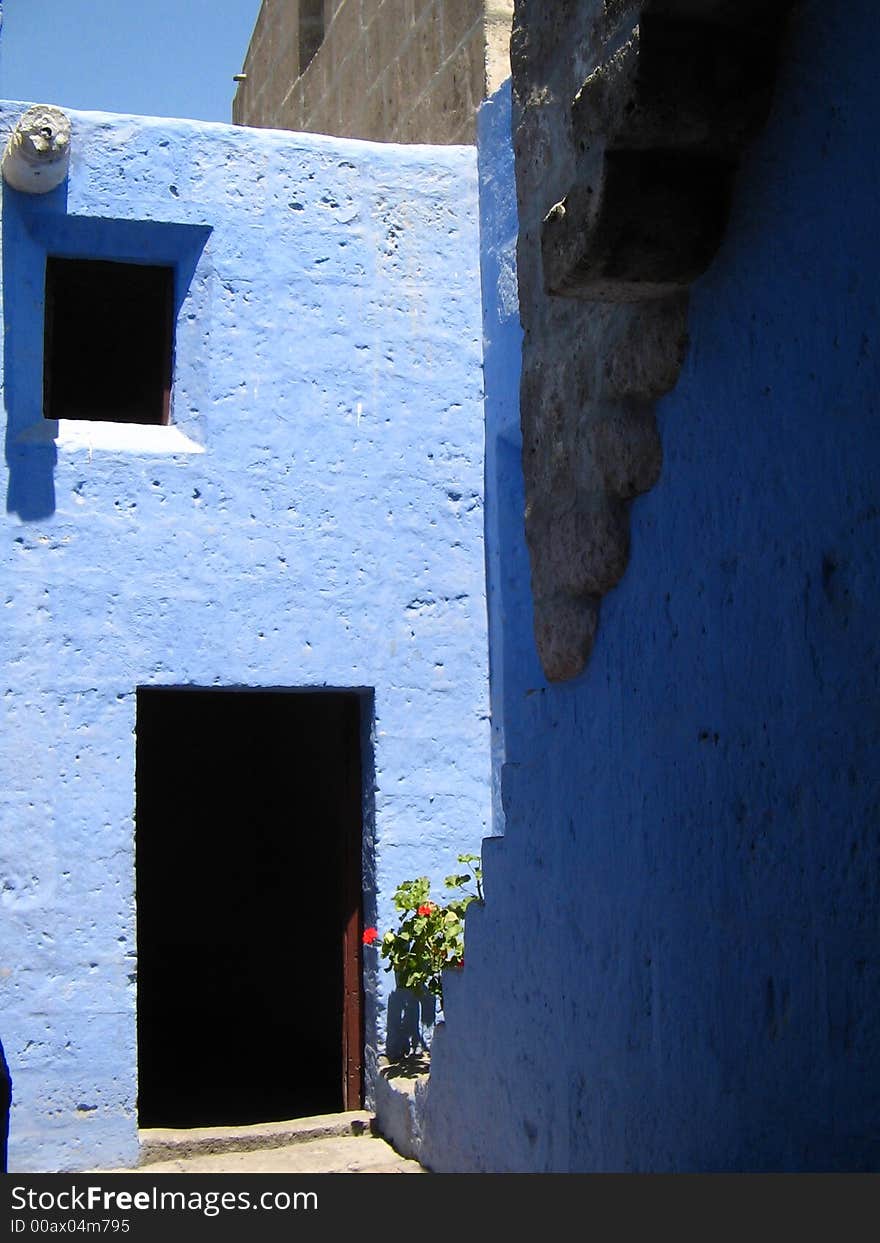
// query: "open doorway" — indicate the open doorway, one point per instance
point(248, 861)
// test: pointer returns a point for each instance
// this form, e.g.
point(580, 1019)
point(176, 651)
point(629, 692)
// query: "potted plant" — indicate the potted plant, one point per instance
point(428, 939)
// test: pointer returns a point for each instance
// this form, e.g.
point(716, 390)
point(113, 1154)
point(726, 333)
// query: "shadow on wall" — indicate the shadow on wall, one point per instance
point(36, 227)
point(411, 1019)
point(31, 487)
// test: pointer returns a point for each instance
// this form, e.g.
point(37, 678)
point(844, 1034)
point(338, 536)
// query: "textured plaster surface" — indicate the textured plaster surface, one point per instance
point(313, 517)
point(677, 964)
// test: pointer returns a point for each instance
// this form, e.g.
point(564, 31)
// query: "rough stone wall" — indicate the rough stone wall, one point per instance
point(394, 70)
point(676, 968)
point(312, 517)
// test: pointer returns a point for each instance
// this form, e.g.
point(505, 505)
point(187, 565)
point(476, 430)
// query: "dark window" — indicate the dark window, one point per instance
point(108, 341)
point(311, 30)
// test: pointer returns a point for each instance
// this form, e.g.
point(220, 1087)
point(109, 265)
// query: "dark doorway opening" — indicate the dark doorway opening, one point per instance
point(248, 858)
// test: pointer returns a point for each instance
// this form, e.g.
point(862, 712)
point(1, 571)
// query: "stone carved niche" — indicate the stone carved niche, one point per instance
point(630, 120)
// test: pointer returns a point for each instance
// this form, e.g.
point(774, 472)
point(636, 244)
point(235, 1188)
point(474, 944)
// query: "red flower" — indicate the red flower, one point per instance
point(370, 935)
point(426, 909)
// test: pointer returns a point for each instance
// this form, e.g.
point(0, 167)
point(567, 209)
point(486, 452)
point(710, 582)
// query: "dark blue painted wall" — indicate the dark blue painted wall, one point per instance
point(677, 967)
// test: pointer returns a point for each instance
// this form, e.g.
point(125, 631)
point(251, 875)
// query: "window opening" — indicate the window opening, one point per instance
point(311, 30)
point(108, 341)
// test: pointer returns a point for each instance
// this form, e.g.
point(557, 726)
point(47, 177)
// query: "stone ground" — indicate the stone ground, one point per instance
point(332, 1144)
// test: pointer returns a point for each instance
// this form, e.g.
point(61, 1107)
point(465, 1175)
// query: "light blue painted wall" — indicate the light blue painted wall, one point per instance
point(313, 518)
point(677, 967)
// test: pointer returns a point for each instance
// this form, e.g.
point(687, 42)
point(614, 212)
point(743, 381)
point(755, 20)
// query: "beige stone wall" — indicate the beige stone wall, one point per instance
point(394, 70)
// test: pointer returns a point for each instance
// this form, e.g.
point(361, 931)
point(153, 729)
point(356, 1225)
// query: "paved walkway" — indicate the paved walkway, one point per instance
point(365, 1154)
point(331, 1144)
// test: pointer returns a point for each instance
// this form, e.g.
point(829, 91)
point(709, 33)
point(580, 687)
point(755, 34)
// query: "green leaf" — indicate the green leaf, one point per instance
point(422, 946)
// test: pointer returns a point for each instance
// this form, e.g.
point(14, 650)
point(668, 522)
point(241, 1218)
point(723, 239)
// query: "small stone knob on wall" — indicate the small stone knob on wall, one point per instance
point(37, 155)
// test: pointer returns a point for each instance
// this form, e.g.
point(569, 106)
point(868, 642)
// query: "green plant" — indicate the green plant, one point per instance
point(429, 936)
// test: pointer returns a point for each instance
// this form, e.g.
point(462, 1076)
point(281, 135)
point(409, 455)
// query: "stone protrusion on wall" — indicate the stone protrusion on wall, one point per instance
point(631, 120)
point(37, 155)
